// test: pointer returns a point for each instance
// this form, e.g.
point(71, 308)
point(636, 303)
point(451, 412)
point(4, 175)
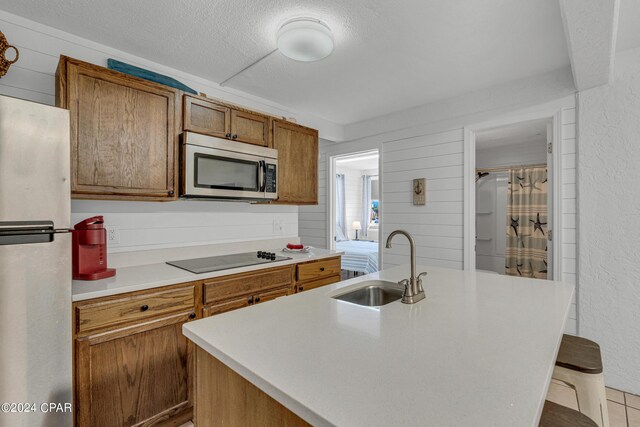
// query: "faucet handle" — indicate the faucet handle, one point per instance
point(407, 286)
point(419, 281)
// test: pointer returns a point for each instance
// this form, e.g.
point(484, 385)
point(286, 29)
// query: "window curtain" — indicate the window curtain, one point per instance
point(366, 206)
point(341, 216)
point(526, 251)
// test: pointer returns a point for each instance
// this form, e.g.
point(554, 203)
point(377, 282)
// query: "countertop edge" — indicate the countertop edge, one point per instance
point(284, 399)
point(188, 277)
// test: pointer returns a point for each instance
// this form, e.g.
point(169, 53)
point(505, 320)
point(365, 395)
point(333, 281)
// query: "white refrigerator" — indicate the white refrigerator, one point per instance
point(35, 265)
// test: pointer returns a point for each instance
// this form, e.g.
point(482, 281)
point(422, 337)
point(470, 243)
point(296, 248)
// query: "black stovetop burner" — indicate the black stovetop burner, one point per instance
point(225, 262)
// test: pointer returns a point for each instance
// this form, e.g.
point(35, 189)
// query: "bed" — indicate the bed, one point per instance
point(359, 255)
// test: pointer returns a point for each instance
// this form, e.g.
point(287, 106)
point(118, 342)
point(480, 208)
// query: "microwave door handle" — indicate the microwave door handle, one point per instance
point(262, 172)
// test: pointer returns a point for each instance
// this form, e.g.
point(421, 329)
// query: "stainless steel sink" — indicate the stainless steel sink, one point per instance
point(374, 293)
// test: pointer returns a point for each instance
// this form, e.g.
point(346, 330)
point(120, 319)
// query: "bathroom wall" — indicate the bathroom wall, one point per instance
point(491, 221)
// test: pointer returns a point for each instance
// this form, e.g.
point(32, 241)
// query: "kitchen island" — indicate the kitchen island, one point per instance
point(479, 350)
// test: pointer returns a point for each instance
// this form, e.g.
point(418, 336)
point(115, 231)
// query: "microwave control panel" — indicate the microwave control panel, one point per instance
point(270, 178)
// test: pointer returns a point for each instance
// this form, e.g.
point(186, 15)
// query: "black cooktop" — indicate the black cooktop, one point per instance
point(225, 262)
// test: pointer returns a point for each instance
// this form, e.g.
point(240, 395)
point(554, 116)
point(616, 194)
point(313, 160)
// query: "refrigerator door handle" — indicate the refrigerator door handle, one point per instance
point(25, 232)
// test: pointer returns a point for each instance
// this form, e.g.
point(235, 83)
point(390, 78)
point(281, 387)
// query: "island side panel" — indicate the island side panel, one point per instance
point(224, 398)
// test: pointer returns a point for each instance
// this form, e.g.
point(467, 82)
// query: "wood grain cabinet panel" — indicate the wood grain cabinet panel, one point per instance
point(204, 116)
point(251, 283)
point(124, 133)
point(228, 305)
point(307, 286)
point(317, 269)
point(297, 163)
point(250, 128)
point(140, 375)
point(271, 295)
point(133, 308)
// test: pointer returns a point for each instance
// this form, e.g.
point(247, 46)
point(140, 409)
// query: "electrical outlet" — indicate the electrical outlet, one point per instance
point(278, 228)
point(113, 235)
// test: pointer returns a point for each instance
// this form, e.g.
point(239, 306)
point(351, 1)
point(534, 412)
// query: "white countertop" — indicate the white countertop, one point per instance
point(478, 351)
point(136, 278)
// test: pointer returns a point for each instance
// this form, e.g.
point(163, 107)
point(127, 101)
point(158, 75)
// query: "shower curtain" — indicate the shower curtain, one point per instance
point(526, 251)
point(341, 218)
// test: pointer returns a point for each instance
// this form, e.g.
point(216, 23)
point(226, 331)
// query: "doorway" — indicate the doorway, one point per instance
point(510, 203)
point(355, 211)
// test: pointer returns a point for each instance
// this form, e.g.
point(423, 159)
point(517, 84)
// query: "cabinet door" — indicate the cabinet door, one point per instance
point(249, 127)
point(307, 286)
point(297, 163)
point(123, 133)
point(271, 295)
point(206, 117)
point(229, 305)
point(134, 375)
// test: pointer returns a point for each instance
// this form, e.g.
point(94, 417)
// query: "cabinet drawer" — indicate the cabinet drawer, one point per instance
point(271, 295)
point(133, 308)
point(318, 269)
point(225, 306)
point(318, 283)
point(222, 288)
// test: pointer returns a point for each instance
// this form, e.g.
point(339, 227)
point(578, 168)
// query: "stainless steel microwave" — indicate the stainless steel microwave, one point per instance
point(217, 168)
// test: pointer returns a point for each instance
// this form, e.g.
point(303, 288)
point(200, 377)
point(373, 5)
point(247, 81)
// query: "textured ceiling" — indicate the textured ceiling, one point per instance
point(389, 55)
point(530, 132)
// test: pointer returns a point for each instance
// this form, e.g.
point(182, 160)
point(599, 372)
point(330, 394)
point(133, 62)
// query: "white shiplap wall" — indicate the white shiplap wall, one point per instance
point(437, 227)
point(313, 221)
point(141, 225)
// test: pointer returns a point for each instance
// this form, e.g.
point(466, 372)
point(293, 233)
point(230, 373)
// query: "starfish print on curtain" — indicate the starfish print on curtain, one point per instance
point(526, 252)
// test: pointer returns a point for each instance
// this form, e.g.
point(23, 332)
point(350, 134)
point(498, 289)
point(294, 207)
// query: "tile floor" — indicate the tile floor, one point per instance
point(624, 408)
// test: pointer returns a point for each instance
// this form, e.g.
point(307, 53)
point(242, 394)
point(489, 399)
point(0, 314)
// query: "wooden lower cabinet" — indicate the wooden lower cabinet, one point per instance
point(314, 274)
point(138, 375)
point(132, 364)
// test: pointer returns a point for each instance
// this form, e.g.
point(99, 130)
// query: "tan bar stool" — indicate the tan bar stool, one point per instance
point(554, 415)
point(579, 364)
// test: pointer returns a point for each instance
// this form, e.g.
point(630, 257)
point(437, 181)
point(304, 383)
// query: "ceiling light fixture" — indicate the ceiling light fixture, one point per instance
point(301, 39)
point(305, 39)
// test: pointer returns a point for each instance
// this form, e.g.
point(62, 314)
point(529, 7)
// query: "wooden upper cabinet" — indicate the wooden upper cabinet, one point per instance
point(204, 116)
point(248, 127)
point(297, 163)
point(124, 133)
point(215, 118)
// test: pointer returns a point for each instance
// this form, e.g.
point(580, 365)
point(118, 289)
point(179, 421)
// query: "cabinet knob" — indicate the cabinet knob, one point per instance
point(144, 308)
point(258, 299)
point(321, 268)
point(301, 288)
point(235, 135)
point(250, 300)
point(192, 316)
point(228, 135)
point(171, 193)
